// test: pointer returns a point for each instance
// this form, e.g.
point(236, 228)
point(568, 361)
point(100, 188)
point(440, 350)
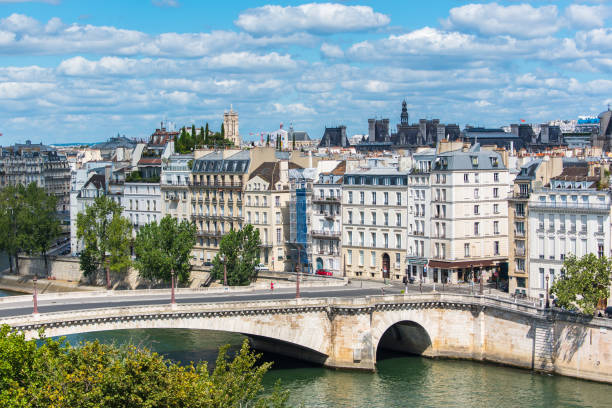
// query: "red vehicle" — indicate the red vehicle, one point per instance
point(324, 272)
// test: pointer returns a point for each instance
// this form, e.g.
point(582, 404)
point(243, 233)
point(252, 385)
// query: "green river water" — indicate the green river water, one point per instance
point(400, 380)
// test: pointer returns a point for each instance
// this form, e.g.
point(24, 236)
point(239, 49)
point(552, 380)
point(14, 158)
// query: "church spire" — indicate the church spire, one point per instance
point(404, 116)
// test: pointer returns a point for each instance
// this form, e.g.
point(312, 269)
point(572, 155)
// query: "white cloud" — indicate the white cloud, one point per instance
point(522, 20)
point(320, 18)
point(247, 61)
point(584, 16)
point(331, 51)
point(18, 23)
point(16, 90)
point(293, 109)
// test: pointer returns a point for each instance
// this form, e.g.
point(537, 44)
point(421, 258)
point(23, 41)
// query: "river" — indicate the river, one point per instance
point(400, 380)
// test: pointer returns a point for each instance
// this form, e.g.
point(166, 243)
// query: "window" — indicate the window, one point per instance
point(265, 218)
point(349, 237)
point(520, 209)
point(495, 192)
point(373, 218)
point(373, 239)
point(386, 197)
point(277, 201)
point(398, 241)
point(349, 257)
point(397, 260)
point(360, 258)
point(541, 278)
point(361, 217)
point(561, 222)
point(373, 198)
point(495, 208)
point(350, 217)
point(600, 227)
point(562, 249)
point(496, 177)
point(386, 219)
point(466, 250)
point(572, 223)
point(361, 239)
point(495, 247)
point(541, 222)
point(398, 198)
point(476, 210)
point(583, 223)
point(386, 239)
point(372, 258)
point(520, 264)
point(361, 197)
point(600, 249)
point(551, 222)
point(476, 228)
point(476, 194)
point(278, 217)
point(278, 236)
point(466, 178)
point(350, 197)
point(398, 219)
point(496, 227)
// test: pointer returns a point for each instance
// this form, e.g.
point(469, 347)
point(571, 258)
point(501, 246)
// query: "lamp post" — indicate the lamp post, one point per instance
point(297, 276)
point(547, 303)
point(172, 298)
point(223, 259)
point(35, 298)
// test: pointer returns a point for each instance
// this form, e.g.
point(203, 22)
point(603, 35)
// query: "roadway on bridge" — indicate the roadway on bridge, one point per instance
point(22, 308)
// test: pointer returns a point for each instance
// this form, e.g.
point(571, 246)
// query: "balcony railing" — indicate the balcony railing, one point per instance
point(204, 184)
point(326, 200)
point(571, 206)
point(326, 234)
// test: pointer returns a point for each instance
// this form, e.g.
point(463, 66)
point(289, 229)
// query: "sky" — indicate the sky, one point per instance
point(83, 71)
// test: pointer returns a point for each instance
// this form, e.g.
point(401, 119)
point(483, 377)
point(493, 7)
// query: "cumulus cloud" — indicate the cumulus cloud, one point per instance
point(584, 16)
point(319, 18)
point(293, 109)
point(331, 51)
point(521, 20)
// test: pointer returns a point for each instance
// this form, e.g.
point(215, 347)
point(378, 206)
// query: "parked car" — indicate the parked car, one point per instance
point(324, 272)
point(261, 267)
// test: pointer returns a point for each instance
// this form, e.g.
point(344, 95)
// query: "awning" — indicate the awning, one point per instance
point(464, 264)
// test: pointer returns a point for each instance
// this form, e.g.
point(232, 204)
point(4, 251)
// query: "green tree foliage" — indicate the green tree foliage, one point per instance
point(159, 248)
point(38, 221)
point(55, 374)
point(241, 251)
point(28, 221)
point(106, 235)
point(222, 131)
point(206, 133)
point(200, 142)
point(584, 283)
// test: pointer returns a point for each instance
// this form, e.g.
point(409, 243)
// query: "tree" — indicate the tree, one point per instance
point(293, 141)
point(38, 221)
point(222, 131)
point(10, 236)
point(106, 235)
point(584, 283)
point(161, 248)
point(52, 373)
point(241, 251)
point(201, 137)
point(206, 132)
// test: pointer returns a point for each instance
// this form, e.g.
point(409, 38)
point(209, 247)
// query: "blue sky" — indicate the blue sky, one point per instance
point(78, 71)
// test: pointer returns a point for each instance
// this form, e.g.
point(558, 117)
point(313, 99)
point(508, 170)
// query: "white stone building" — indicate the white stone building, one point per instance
point(141, 203)
point(568, 216)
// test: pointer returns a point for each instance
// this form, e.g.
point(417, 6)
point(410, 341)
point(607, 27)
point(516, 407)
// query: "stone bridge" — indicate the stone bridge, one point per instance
point(348, 332)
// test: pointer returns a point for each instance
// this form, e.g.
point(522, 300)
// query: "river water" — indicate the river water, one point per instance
point(400, 381)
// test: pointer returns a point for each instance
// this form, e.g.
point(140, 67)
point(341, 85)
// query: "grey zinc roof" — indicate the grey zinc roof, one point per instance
point(215, 163)
point(528, 171)
point(460, 160)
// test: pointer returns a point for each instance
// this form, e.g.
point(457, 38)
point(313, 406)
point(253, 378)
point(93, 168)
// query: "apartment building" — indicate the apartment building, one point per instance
point(266, 207)
point(469, 214)
point(567, 216)
point(531, 176)
point(419, 216)
point(141, 203)
point(326, 220)
point(217, 181)
point(175, 182)
point(374, 219)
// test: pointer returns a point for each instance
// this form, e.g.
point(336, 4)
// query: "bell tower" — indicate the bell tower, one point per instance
point(230, 125)
point(404, 116)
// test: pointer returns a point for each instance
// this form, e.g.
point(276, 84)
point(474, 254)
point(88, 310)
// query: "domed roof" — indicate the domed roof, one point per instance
point(605, 113)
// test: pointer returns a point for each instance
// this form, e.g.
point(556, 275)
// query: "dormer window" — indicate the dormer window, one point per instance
point(474, 161)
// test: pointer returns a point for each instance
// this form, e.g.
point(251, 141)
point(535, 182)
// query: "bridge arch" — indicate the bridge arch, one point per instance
point(292, 334)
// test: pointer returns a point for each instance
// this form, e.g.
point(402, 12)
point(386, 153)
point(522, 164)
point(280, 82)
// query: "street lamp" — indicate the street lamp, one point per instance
point(35, 298)
point(223, 259)
point(172, 298)
point(547, 303)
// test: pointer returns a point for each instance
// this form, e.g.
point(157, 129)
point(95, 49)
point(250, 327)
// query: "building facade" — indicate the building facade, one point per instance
point(374, 219)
